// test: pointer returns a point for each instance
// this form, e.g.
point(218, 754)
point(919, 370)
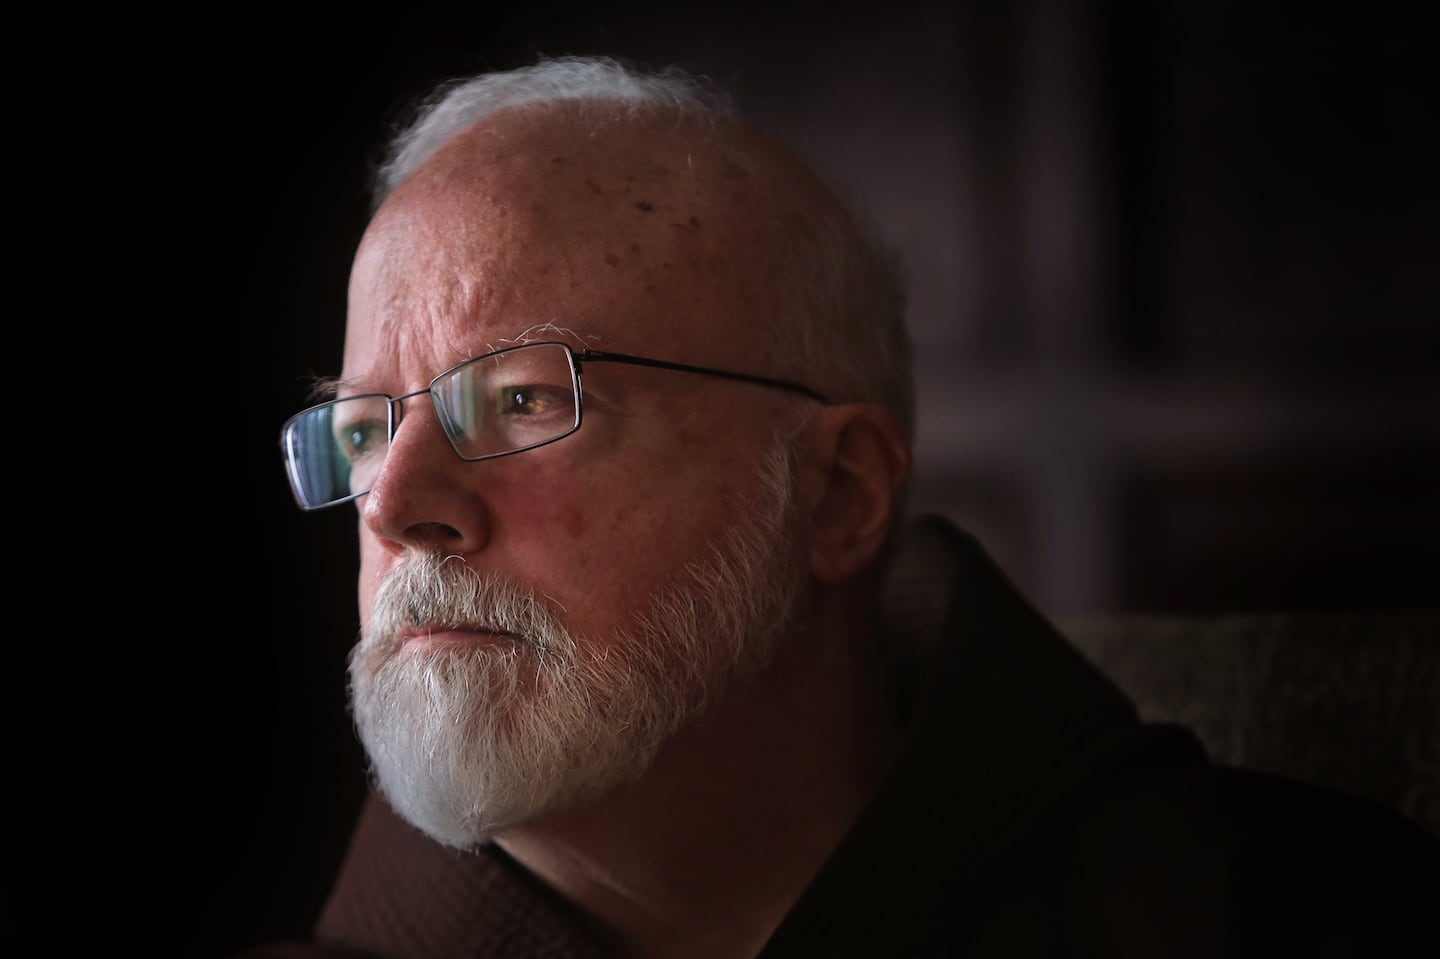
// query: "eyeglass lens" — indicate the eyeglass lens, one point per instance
point(503, 402)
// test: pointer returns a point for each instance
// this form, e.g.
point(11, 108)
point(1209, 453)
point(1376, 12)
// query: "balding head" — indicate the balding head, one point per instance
point(614, 158)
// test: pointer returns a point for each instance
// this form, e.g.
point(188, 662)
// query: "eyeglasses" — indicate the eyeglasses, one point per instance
point(500, 403)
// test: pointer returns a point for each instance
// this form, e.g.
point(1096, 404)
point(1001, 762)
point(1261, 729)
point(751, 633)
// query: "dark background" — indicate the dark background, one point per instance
point(1174, 272)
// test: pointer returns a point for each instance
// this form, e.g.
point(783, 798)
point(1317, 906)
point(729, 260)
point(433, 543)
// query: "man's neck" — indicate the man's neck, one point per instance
point(705, 855)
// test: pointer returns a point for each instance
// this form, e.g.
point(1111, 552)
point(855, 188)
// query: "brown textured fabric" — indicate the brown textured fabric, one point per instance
point(402, 896)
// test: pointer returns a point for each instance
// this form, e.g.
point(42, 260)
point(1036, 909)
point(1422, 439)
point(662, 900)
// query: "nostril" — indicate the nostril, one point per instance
point(432, 532)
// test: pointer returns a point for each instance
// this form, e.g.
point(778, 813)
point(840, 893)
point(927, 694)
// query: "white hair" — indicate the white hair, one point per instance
point(457, 104)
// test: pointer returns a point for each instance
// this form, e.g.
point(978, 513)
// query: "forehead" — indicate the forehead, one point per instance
point(635, 236)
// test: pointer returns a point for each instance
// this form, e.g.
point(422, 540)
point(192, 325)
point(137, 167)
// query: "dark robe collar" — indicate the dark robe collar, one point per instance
point(1010, 723)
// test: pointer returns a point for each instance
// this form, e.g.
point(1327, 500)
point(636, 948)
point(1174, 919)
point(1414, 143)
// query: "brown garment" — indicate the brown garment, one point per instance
point(401, 894)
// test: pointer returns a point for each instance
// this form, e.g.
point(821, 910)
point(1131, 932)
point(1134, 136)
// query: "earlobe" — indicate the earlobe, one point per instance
point(863, 463)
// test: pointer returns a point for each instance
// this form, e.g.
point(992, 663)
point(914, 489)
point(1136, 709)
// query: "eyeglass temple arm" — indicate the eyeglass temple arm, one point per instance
point(600, 356)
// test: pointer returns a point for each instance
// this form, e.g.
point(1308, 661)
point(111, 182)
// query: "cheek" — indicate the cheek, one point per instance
point(600, 544)
point(553, 504)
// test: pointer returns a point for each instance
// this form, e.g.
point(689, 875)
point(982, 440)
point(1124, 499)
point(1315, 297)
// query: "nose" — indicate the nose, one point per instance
point(425, 497)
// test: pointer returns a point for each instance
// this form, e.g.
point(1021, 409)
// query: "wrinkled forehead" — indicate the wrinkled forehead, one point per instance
point(605, 224)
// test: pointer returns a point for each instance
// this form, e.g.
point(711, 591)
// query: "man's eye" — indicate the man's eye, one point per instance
point(360, 438)
point(534, 400)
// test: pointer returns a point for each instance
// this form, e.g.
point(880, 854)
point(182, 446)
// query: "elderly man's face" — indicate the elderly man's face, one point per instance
point(522, 231)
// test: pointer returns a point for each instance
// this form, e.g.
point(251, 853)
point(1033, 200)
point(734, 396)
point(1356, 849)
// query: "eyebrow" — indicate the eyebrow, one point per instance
point(328, 387)
point(324, 388)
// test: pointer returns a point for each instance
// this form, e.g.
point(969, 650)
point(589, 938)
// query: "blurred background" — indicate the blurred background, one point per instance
point(1173, 270)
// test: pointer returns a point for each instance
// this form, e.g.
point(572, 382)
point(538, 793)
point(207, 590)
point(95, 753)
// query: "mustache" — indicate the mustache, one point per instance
point(436, 591)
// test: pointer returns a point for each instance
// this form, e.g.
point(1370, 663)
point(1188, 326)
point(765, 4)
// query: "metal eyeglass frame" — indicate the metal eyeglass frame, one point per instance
point(577, 360)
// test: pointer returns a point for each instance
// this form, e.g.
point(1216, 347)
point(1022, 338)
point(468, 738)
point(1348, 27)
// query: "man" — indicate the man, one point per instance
point(626, 415)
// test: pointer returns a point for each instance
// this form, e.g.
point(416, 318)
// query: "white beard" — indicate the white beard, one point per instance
point(466, 741)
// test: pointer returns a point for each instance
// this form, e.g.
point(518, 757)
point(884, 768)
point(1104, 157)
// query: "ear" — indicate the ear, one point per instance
point(856, 477)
